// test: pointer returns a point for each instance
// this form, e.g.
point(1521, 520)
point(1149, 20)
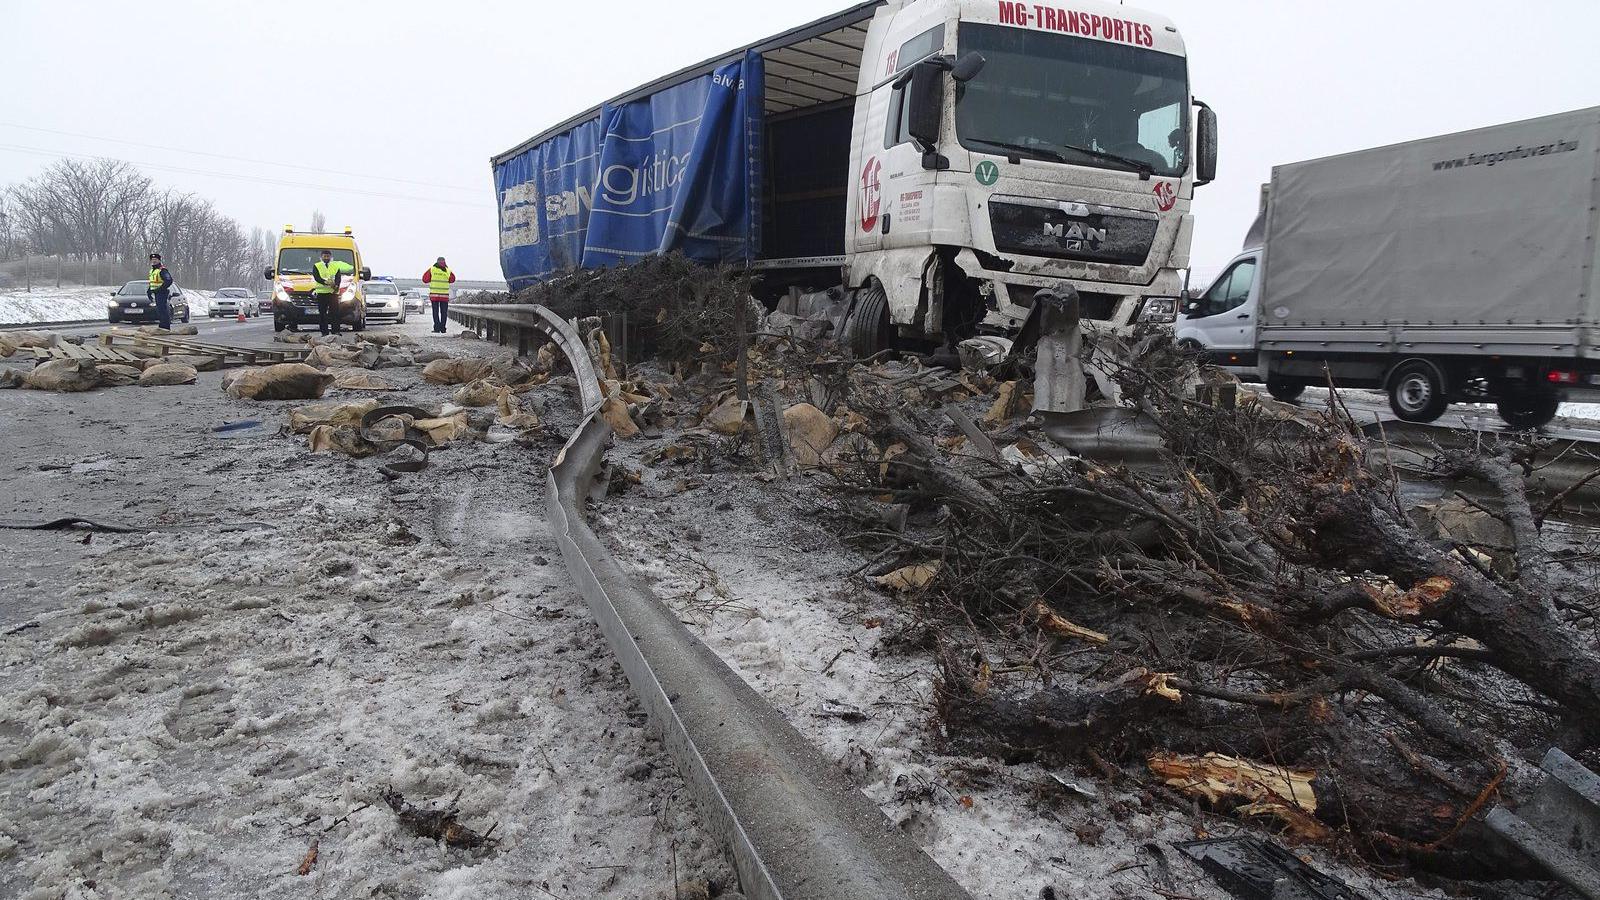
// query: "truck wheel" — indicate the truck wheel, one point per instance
point(1531, 407)
point(866, 331)
point(1287, 390)
point(1417, 391)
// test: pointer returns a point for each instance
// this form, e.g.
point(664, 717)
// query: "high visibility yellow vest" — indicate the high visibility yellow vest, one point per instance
point(155, 279)
point(438, 282)
point(328, 270)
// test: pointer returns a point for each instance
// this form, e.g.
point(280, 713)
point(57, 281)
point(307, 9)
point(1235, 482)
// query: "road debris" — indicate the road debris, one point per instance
point(282, 381)
point(437, 824)
point(167, 373)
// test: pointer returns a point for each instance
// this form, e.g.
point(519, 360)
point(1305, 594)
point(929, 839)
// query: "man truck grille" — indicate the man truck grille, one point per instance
point(1073, 231)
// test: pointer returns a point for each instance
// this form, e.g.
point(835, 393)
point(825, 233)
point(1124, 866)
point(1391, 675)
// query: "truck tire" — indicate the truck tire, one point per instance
point(1287, 390)
point(1417, 391)
point(1530, 407)
point(866, 330)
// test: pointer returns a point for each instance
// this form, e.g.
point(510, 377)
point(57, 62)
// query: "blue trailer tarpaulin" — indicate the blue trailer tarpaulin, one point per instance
point(677, 170)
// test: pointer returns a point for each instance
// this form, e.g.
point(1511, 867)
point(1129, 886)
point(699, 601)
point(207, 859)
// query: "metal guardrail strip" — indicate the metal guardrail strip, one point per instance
point(796, 827)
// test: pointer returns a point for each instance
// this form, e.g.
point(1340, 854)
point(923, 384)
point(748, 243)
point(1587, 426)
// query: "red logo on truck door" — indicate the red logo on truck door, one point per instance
point(871, 194)
point(1166, 195)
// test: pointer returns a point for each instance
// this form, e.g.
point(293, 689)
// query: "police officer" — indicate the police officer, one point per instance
point(160, 290)
point(327, 274)
point(438, 278)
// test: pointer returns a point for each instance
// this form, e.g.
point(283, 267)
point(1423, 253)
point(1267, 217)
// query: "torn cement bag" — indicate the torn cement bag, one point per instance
point(394, 359)
point(9, 379)
point(17, 340)
point(729, 417)
point(360, 380)
point(511, 413)
point(811, 433)
point(456, 371)
point(163, 374)
point(283, 381)
point(615, 412)
point(304, 418)
point(428, 356)
point(68, 375)
point(389, 429)
point(910, 578)
point(481, 392)
point(340, 439)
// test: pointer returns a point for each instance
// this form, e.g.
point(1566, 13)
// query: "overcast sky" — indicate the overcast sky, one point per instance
point(399, 104)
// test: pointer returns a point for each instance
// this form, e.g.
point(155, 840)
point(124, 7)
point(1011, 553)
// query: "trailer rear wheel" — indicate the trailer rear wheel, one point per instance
point(866, 330)
point(1531, 407)
point(1417, 391)
point(1287, 390)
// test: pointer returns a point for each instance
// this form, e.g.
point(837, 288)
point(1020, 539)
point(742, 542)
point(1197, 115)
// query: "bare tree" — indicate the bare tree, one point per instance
point(319, 222)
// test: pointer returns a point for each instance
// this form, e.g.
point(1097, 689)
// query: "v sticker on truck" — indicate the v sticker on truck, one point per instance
point(987, 173)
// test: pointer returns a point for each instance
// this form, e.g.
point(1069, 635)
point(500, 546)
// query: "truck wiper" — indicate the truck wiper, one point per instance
point(1058, 154)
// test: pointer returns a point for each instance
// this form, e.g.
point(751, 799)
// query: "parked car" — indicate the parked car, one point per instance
point(383, 302)
point(415, 299)
point(227, 302)
point(131, 305)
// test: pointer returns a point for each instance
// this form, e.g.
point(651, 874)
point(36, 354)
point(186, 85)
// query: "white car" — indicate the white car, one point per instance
point(384, 303)
point(415, 299)
point(227, 303)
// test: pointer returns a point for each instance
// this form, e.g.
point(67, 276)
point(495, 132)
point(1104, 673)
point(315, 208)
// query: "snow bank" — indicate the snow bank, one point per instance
point(68, 304)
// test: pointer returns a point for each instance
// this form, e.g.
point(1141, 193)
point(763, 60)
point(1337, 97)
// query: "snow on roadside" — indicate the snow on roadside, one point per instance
point(70, 304)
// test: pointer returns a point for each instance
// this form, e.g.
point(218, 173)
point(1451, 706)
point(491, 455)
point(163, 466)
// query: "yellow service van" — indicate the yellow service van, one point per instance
point(293, 302)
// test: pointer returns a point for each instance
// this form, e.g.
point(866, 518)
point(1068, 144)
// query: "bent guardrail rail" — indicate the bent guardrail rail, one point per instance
point(796, 828)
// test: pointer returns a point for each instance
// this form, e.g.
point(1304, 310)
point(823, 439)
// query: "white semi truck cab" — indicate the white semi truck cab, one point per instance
point(1001, 149)
point(924, 167)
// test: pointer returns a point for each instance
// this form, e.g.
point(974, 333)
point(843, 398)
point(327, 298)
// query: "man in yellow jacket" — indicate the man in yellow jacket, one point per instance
point(327, 273)
point(438, 278)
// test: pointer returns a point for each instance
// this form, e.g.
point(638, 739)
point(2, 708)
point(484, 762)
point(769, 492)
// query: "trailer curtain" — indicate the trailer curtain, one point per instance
point(679, 169)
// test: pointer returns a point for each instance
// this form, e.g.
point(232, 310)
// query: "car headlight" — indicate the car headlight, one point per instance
point(1161, 310)
point(111, 304)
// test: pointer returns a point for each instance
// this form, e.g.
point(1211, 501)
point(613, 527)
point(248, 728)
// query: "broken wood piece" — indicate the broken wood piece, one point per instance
point(310, 860)
point(440, 825)
point(1050, 621)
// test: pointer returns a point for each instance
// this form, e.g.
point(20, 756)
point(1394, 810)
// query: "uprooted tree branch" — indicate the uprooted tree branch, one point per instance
point(1256, 620)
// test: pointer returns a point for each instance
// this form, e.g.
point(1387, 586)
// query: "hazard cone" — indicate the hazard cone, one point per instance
point(241, 312)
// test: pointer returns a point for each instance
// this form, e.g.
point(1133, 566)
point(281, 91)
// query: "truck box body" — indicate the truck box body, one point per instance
point(1482, 242)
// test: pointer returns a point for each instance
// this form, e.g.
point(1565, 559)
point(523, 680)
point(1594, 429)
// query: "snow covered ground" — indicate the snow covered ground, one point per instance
point(67, 304)
point(185, 712)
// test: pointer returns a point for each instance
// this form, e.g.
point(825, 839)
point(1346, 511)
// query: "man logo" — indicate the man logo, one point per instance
point(1074, 236)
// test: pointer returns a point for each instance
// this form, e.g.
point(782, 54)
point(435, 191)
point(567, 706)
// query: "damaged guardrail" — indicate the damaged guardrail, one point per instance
point(796, 828)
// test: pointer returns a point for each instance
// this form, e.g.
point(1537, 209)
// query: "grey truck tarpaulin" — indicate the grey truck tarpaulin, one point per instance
point(676, 170)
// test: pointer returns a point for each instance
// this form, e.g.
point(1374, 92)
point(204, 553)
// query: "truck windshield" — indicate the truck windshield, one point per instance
point(299, 260)
point(1050, 93)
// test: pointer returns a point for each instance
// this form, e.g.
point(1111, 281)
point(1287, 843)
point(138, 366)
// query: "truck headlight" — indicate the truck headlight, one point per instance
point(1160, 310)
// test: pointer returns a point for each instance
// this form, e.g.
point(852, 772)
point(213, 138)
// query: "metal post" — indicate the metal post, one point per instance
point(1058, 384)
point(741, 368)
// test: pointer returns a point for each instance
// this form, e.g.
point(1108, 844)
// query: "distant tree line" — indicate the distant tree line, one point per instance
point(98, 221)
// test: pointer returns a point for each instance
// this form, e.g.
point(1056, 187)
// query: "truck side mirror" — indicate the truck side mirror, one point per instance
point(366, 274)
point(1205, 145)
point(267, 274)
point(924, 109)
point(967, 67)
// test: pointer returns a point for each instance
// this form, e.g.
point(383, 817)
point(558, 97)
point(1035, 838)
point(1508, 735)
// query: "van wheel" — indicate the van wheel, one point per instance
point(1417, 391)
point(1531, 407)
point(1287, 390)
point(866, 330)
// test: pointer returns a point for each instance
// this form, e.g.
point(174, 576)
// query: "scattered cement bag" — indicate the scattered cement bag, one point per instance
point(68, 375)
point(117, 375)
point(201, 362)
point(11, 342)
point(291, 337)
point(456, 371)
point(9, 379)
point(615, 411)
point(185, 330)
point(394, 359)
point(367, 357)
point(284, 381)
point(729, 417)
point(167, 373)
point(304, 418)
point(325, 357)
point(444, 429)
point(469, 335)
point(811, 433)
point(389, 429)
point(340, 439)
point(428, 356)
point(360, 380)
point(479, 393)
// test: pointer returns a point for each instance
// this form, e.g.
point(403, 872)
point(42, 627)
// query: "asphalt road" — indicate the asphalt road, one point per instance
point(250, 331)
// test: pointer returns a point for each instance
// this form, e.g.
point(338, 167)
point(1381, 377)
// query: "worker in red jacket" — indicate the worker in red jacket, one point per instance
point(439, 278)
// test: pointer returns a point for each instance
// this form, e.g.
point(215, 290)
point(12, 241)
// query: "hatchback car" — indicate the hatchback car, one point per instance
point(416, 300)
point(230, 301)
point(131, 305)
